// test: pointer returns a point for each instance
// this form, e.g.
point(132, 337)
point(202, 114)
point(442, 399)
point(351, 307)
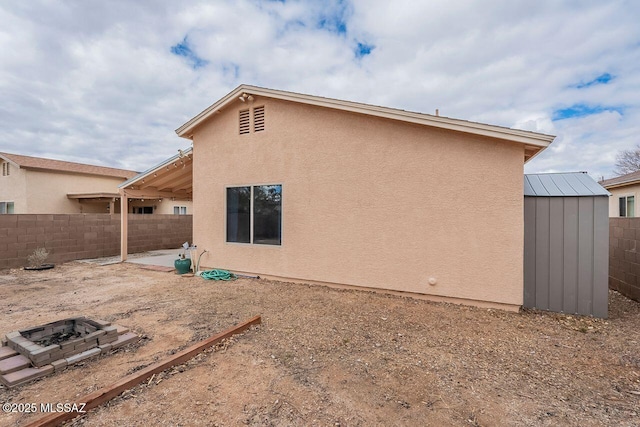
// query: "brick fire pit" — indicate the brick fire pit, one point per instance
point(32, 353)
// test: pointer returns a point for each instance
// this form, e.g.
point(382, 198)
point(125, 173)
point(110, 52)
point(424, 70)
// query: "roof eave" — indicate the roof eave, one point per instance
point(622, 184)
point(515, 135)
point(154, 169)
point(93, 195)
point(44, 169)
point(11, 161)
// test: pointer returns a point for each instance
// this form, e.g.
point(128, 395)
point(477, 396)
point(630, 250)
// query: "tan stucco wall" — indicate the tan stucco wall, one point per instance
point(616, 193)
point(13, 188)
point(368, 202)
point(47, 192)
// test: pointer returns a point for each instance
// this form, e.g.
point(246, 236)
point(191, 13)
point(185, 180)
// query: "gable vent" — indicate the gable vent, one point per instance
point(258, 119)
point(244, 122)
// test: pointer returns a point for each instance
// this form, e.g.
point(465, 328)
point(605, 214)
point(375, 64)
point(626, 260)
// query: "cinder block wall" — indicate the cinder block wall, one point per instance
point(624, 256)
point(69, 237)
point(150, 232)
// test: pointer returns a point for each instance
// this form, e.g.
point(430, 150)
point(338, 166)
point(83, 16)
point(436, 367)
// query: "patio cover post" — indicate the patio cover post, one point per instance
point(124, 232)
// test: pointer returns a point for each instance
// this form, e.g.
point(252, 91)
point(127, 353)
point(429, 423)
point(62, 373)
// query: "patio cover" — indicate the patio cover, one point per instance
point(171, 179)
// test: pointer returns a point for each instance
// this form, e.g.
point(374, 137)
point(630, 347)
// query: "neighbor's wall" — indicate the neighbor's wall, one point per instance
point(47, 192)
point(13, 188)
point(368, 202)
point(77, 236)
point(614, 200)
point(624, 256)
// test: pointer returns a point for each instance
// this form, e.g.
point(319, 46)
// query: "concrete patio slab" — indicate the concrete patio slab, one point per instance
point(159, 258)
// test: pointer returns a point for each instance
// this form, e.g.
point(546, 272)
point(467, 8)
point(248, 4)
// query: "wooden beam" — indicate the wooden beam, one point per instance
point(182, 183)
point(105, 394)
point(124, 225)
point(167, 178)
point(152, 193)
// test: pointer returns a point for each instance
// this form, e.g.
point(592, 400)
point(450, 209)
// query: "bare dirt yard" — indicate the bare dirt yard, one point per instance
point(326, 357)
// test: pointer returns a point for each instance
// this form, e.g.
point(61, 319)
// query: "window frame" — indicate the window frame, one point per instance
point(182, 210)
point(623, 206)
point(140, 210)
point(252, 214)
point(5, 207)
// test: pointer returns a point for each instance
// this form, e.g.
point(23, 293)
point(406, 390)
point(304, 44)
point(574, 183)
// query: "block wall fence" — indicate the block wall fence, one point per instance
point(69, 237)
point(624, 256)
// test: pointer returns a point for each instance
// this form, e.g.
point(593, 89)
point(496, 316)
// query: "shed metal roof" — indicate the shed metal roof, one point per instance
point(570, 184)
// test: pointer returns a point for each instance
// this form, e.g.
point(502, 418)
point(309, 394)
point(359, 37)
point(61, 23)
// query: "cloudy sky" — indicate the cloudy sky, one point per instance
point(108, 82)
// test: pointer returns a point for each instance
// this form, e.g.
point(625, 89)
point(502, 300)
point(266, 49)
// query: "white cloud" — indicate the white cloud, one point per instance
point(98, 83)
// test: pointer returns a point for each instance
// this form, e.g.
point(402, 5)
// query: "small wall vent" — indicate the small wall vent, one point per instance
point(258, 119)
point(244, 122)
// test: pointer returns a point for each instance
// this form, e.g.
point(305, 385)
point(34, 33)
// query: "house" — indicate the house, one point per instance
point(625, 190)
point(309, 189)
point(34, 185)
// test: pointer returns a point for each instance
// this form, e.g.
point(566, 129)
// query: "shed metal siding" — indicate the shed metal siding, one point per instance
point(566, 253)
point(601, 257)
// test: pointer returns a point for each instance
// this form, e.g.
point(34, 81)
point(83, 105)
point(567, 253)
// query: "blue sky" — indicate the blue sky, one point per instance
point(109, 82)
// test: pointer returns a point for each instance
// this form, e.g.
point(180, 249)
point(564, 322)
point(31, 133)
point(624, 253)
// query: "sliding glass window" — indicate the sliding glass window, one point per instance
point(254, 214)
point(267, 214)
point(239, 214)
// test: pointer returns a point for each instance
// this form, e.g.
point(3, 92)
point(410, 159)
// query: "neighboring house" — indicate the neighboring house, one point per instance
point(625, 190)
point(303, 188)
point(34, 185)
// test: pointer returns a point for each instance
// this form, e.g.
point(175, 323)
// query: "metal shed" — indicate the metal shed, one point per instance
point(566, 244)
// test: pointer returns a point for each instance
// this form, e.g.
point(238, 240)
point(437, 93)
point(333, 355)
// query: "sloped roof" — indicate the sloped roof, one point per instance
point(170, 178)
point(39, 163)
point(534, 142)
point(622, 180)
point(562, 185)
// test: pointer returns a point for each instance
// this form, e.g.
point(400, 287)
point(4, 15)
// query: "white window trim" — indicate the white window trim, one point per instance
point(5, 203)
point(251, 217)
point(625, 196)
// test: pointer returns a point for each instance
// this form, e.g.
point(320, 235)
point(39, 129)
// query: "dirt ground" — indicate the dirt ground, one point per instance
point(326, 357)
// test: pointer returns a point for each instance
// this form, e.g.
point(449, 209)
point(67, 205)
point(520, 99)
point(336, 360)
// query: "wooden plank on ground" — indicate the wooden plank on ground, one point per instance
point(105, 394)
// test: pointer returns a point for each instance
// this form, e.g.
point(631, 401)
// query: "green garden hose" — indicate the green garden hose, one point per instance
point(218, 275)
